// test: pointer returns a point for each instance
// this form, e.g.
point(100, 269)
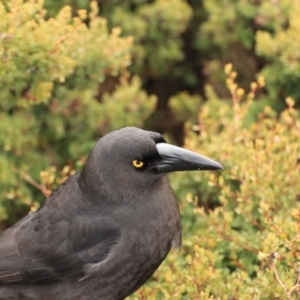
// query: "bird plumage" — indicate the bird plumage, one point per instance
point(102, 233)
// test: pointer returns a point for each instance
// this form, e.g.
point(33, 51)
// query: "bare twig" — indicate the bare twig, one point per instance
point(34, 183)
point(297, 285)
point(273, 267)
point(290, 291)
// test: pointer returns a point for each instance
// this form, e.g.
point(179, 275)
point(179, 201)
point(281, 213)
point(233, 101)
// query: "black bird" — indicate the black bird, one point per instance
point(106, 229)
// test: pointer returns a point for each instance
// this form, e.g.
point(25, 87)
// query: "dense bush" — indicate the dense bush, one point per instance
point(280, 46)
point(243, 241)
point(67, 77)
point(50, 112)
point(256, 36)
point(183, 45)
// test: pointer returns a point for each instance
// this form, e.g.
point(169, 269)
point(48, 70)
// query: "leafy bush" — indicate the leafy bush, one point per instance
point(245, 244)
point(280, 46)
point(241, 226)
point(157, 29)
point(256, 36)
point(50, 112)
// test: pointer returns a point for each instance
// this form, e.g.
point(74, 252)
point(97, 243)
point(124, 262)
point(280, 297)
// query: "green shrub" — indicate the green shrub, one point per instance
point(255, 36)
point(241, 226)
point(157, 29)
point(234, 247)
point(280, 46)
point(188, 42)
point(50, 110)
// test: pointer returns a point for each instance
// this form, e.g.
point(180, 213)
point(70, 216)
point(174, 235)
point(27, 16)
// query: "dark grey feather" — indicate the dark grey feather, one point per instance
point(105, 230)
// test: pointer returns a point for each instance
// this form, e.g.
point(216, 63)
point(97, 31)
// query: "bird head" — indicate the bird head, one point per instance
point(132, 159)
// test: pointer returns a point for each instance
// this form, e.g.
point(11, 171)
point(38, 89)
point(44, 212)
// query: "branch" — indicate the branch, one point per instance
point(278, 279)
point(30, 180)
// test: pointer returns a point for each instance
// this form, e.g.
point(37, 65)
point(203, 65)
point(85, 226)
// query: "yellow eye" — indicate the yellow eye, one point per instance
point(137, 163)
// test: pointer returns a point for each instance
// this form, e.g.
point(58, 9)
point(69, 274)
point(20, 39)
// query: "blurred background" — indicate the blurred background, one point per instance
point(219, 77)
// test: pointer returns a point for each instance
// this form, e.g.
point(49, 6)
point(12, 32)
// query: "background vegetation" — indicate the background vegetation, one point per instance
point(69, 74)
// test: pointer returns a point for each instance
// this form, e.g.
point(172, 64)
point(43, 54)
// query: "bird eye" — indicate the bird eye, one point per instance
point(137, 163)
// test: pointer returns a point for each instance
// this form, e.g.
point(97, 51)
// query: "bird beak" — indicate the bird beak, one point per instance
point(179, 159)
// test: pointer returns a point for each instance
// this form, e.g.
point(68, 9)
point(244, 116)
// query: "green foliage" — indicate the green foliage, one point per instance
point(244, 247)
point(49, 83)
point(240, 226)
point(33, 63)
point(156, 28)
point(281, 46)
point(185, 106)
point(228, 16)
point(131, 104)
point(178, 38)
point(271, 29)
